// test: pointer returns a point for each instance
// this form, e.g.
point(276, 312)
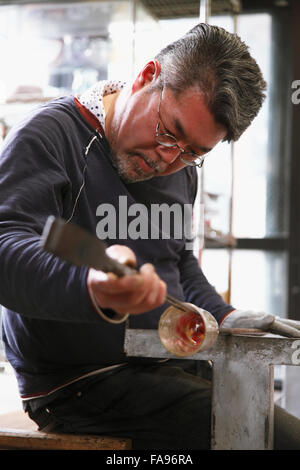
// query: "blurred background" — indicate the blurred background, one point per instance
point(247, 211)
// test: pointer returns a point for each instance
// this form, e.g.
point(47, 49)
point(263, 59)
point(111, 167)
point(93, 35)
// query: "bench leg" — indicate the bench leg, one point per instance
point(242, 405)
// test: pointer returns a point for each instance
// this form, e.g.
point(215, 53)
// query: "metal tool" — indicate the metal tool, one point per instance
point(77, 246)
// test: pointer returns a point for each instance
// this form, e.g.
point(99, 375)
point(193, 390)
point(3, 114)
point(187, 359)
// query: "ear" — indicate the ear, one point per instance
point(149, 73)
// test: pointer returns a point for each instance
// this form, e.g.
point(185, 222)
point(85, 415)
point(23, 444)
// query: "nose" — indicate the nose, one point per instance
point(168, 154)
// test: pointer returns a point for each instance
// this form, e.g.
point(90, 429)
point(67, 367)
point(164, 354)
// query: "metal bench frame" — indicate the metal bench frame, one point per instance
point(242, 385)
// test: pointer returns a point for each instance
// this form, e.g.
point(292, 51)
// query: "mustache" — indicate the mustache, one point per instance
point(158, 166)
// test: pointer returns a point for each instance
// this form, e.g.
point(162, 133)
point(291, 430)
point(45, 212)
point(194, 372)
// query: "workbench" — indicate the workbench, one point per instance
point(242, 383)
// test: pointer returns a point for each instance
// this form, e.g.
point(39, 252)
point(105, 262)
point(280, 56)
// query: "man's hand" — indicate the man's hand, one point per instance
point(133, 294)
point(261, 321)
point(248, 319)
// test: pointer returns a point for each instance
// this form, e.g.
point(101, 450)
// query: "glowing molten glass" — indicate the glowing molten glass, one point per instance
point(185, 333)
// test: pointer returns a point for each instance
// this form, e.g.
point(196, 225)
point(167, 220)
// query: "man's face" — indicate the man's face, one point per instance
point(136, 154)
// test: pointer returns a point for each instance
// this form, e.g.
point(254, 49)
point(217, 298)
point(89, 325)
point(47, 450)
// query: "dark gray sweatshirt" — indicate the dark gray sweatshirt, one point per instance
point(51, 331)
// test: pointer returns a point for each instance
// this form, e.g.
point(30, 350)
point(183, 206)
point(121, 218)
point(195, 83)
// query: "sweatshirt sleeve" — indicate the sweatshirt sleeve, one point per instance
point(33, 185)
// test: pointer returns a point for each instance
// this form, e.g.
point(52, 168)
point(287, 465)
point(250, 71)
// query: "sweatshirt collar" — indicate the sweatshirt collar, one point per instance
point(92, 100)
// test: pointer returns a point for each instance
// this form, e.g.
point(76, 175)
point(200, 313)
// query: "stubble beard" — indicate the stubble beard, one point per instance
point(127, 165)
point(123, 166)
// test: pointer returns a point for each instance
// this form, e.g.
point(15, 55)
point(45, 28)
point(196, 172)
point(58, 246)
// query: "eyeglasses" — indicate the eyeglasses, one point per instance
point(170, 141)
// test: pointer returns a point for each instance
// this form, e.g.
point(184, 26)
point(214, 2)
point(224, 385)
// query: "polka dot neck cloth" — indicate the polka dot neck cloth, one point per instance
point(92, 98)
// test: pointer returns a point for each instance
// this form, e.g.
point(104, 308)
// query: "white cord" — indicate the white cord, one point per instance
point(87, 149)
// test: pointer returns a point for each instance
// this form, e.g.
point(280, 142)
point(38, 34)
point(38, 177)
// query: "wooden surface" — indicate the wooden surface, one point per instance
point(18, 431)
point(17, 420)
point(36, 440)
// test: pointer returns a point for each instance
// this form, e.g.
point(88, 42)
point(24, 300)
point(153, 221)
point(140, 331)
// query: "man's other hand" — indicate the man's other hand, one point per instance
point(248, 319)
point(261, 321)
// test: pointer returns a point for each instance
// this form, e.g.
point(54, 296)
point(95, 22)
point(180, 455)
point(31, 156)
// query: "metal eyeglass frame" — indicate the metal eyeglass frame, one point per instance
point(173, 141)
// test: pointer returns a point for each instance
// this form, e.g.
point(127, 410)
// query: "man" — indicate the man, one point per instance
point(63, 326)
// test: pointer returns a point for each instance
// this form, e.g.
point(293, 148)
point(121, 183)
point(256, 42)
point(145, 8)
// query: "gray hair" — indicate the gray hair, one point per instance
point(220, 64)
